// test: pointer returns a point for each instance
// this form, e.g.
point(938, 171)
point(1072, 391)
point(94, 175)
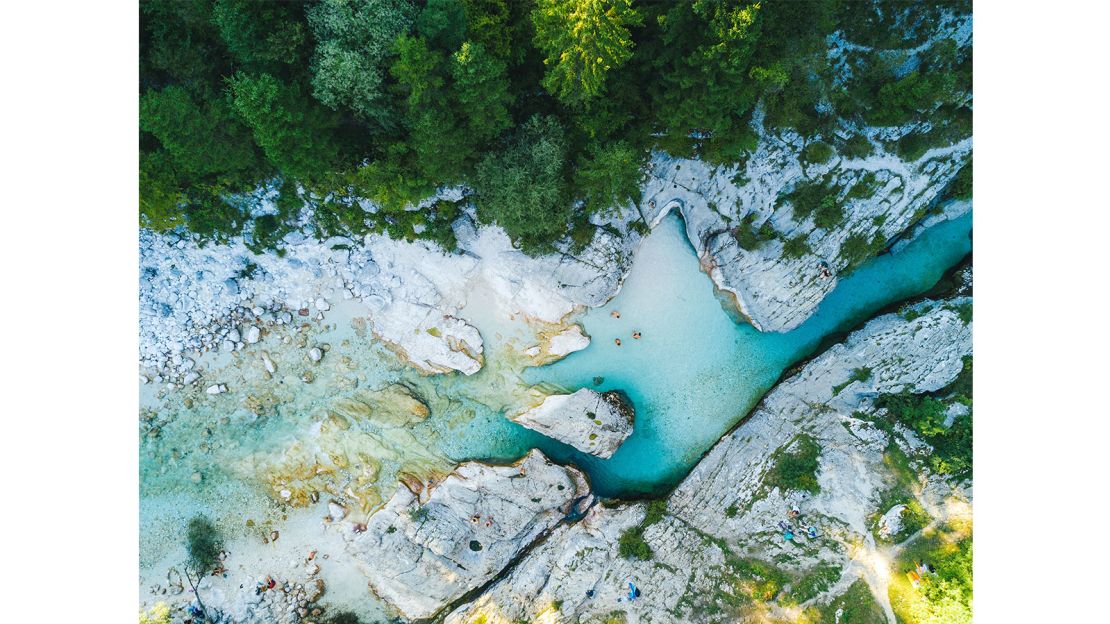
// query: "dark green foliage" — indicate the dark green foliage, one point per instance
point(632, 545)
point(443, 23)
point(960, 188)
point(818, 200)
point(731, 511)
point(925, 414)
point(817, 152)
point(522, 187)
point(796, 468)
point(751, 238)
point(829, 213)
point(858, 146)
point(390, 100)
point(262, 34)
point(608, 176)
point(354, 41)
point(203, 542)
point(296, 134)
point(858, 374)
point(796, 247)
point(864, 188)
point(858, 248)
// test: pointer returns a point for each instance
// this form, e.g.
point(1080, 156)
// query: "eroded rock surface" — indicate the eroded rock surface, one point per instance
point(423, 551)
point(590, 421)
point(722, 522)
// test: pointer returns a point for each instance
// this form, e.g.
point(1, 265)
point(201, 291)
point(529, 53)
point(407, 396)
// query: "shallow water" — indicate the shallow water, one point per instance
point(695, 372)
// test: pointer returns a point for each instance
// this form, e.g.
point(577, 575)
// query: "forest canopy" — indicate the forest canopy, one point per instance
point(547, 110)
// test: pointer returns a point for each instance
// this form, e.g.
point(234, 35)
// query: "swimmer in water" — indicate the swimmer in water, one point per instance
point(617, 341)
point(636, 335)
point(615, 314)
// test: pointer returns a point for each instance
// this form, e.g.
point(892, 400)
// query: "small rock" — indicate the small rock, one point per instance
point(336, 511)
point(274, 536)
point(268, 363)
point(315, 354)
point(190, 377)
point(257, 310)
point(322, 305)
point(216, 389)
point(308, 377)
point(233, 335)
point(196, 477)
point(253, 334)
point(286, 494)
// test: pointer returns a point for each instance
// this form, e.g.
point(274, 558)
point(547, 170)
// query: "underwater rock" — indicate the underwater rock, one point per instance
point(418, 555)
point(590, 421)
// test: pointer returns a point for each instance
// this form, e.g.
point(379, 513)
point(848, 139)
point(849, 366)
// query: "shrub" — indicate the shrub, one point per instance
point(817, 152)
point(749, 237)
point(203, 542)
point(864, 188)
point(914, 145)
point(858, 146)
point(857, 248)
point(797, 469)
point(819, 200)
point(655, 511)
point(796, 247)
point(961, 185)
point(829, 214)
point(633, 546)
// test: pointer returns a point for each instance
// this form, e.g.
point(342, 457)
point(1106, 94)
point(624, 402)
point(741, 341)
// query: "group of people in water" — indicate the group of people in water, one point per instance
point(617, 341)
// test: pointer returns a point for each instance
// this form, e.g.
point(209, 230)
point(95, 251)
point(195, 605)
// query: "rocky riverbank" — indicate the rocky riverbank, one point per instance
point(720, 533)
point(215, 297)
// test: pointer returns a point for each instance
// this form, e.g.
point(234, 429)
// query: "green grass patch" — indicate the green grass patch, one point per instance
point(796, 468)
point(859, 374)
point(945, 596)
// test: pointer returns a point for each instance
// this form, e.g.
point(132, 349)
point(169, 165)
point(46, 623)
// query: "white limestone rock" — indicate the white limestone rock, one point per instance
point(557, 344)
point(590, 421)
point(724, 502)
point(422, 552)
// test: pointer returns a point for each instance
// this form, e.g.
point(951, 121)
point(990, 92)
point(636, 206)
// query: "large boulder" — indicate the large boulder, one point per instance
point(590, 421)
point(426, 549)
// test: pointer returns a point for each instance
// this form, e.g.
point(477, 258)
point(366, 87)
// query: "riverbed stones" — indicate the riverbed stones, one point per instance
point(252, 335)
point(416, 550)
point(590, 421)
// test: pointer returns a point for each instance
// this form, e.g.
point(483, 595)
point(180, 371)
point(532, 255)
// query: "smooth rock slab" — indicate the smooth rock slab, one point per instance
point(421, 557)
point(590, 421)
